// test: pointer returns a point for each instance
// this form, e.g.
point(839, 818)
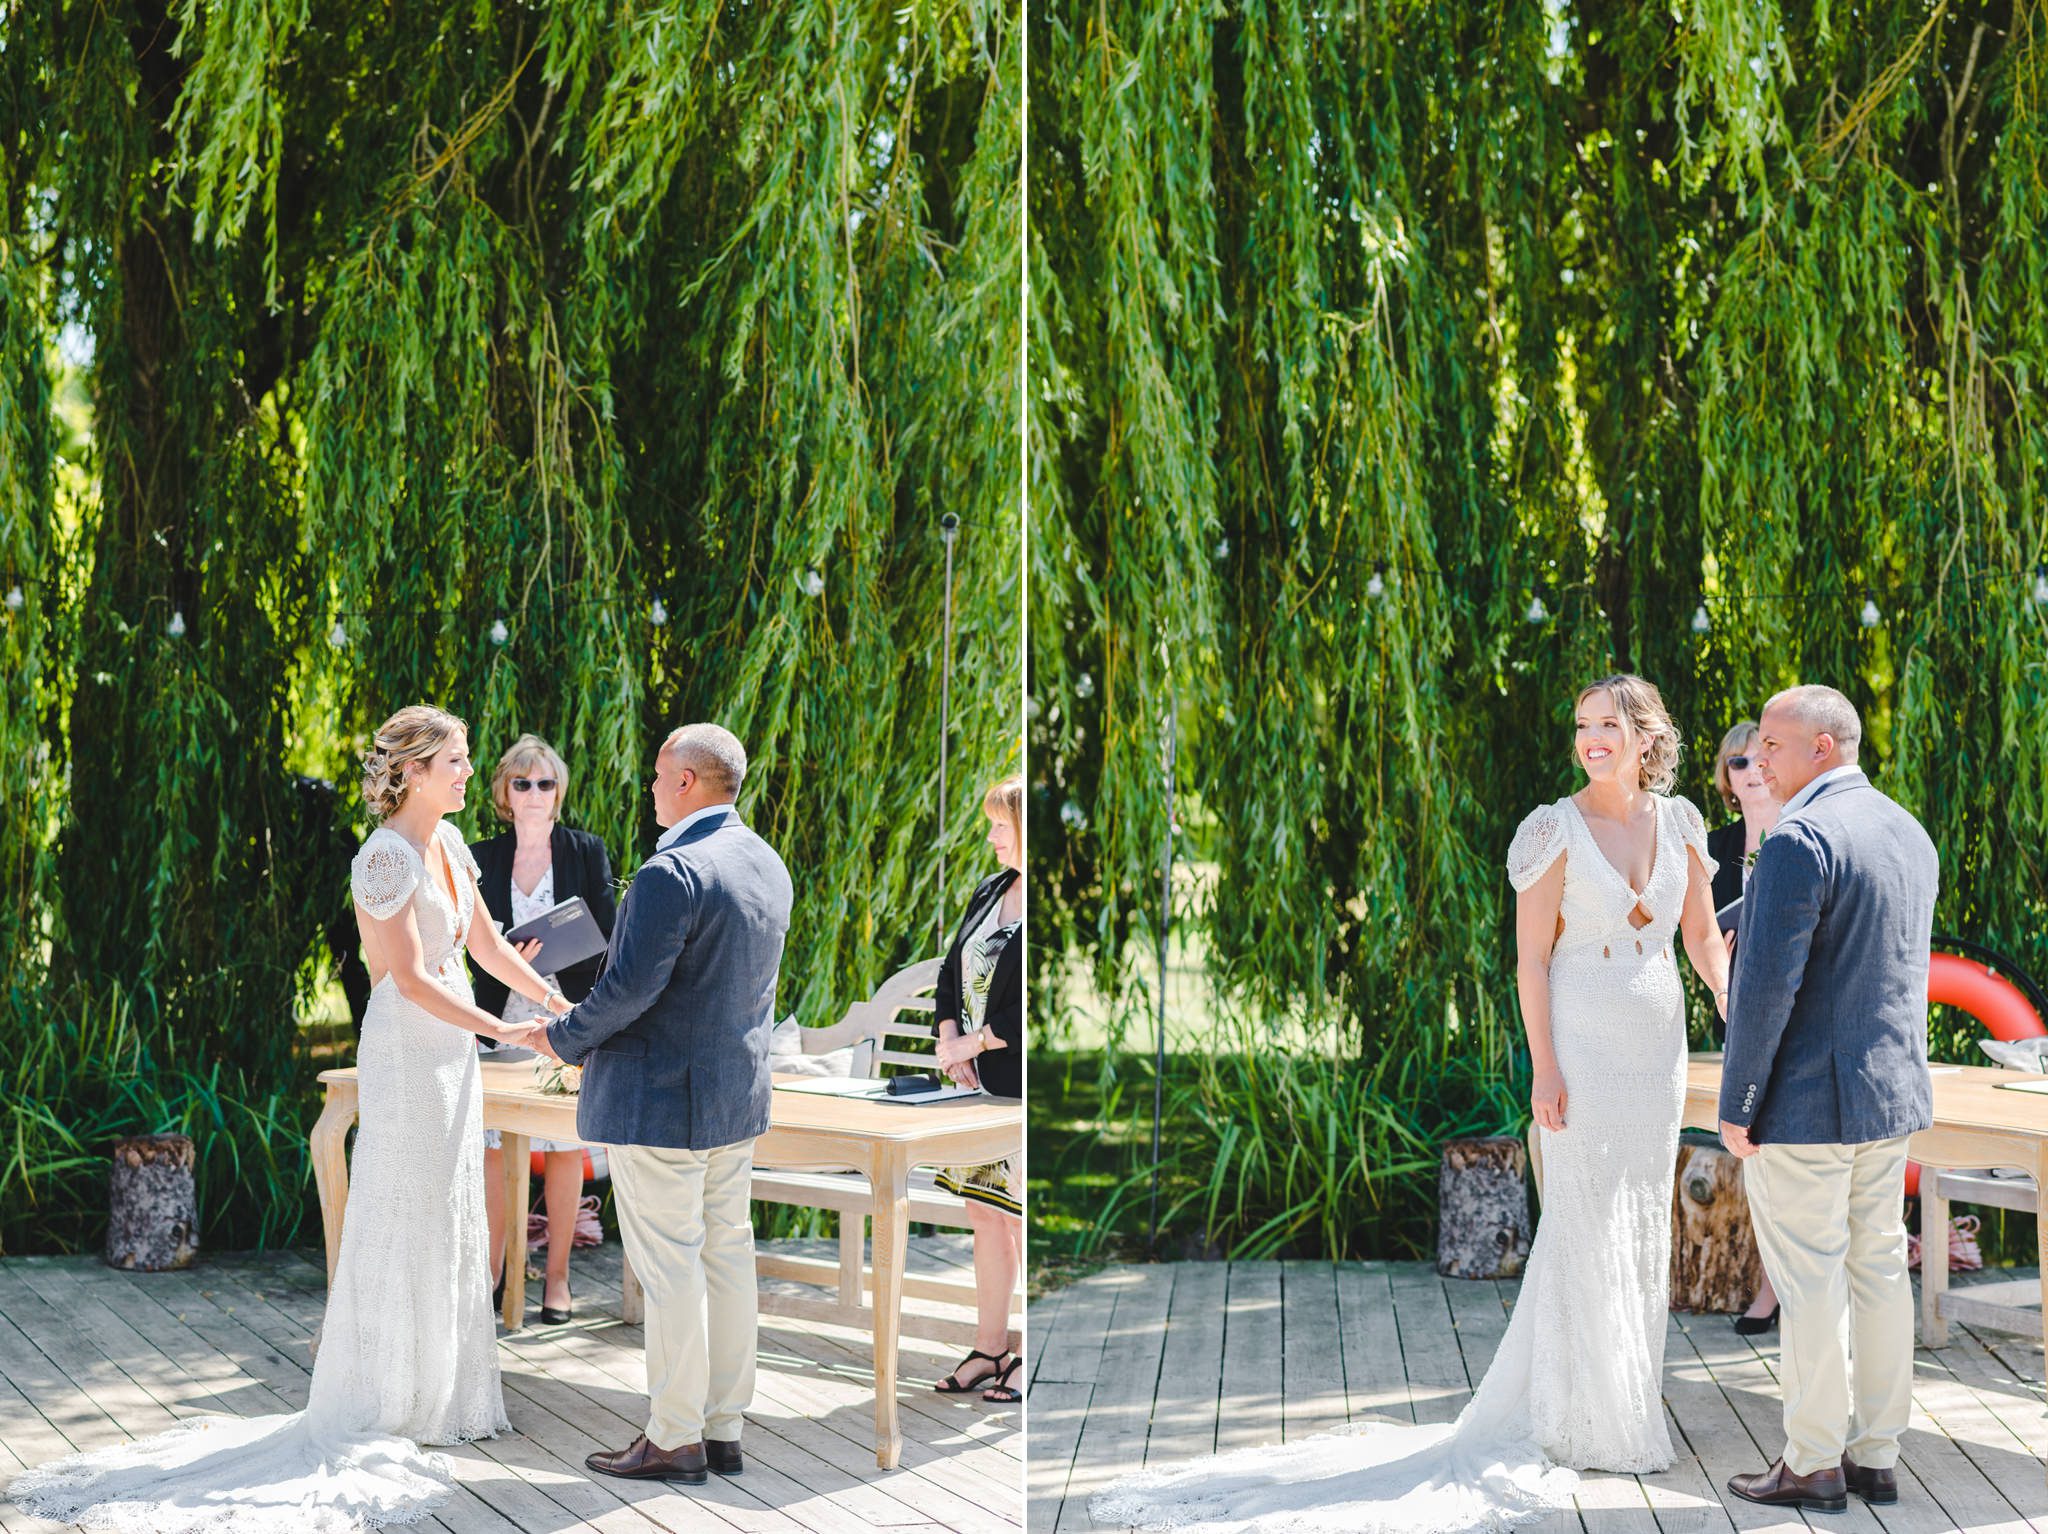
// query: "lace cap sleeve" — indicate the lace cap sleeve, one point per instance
point(1538, 841)
point(1693, 828)
point(384, 874)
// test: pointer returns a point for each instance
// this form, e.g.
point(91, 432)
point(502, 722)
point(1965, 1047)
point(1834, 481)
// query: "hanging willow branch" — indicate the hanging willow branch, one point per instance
point(1606, 315)
point(404, 325)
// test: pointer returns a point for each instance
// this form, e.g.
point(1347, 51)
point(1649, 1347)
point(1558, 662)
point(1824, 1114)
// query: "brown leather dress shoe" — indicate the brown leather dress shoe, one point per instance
point(1870, 1483)
point(641, 1460)
point(724, 1454)
point(1822, 1492)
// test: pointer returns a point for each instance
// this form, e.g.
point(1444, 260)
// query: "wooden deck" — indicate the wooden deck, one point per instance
point(1159, 1363)
point(91, 1356)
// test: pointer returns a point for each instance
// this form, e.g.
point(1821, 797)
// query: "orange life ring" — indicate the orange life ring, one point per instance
point(1997, 1003)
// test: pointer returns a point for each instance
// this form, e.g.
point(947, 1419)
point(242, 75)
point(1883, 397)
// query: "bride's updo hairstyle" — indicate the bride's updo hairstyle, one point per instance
point(413, 734)
point(1642, 706)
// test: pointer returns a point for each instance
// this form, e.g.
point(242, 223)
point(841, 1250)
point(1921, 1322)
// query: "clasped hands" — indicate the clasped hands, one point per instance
point(957, 1053)
point(534, 1035)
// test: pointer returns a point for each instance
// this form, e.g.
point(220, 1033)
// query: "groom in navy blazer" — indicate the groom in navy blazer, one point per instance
point(673, 1041)
point(1824, 1079)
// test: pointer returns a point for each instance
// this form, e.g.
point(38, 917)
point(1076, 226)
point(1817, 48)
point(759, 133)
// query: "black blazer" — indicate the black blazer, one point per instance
point(1001, 1070)
point(1724, 846)
point(581, 868)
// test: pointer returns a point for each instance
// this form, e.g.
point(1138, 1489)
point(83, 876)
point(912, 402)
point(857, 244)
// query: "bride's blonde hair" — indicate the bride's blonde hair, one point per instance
point(413, 734)
point(1639, 702)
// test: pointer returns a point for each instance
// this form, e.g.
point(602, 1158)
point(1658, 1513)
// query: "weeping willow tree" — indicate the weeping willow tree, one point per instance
point(584, 368)
point(1399, 368)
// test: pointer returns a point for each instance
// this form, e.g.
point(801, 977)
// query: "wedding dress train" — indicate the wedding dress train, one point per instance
point(1576, 1382)
point(407, 1349)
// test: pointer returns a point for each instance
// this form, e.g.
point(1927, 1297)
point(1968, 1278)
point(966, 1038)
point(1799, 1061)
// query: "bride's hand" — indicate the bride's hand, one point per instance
point(557, 1003)
point(1547, 1099)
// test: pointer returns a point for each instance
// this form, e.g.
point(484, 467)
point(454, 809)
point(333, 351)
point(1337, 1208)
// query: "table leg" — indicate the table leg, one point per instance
point(853, 1256)
point(2041, 1233)
point(329, 1142)
point(1933, 1258)
point(632, 1300)
point(518, 1191)
point(890, 1176)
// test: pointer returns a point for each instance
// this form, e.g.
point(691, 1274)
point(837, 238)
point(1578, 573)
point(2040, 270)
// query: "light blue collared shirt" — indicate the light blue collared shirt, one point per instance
point(668, 837)
point(1806, 795)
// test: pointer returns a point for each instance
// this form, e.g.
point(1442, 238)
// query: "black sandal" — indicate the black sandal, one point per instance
point(951, 1386)
point(1000, 1390)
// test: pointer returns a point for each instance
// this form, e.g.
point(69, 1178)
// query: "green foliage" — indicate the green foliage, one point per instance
point(415, 321)
point(76, 1074)
point(1627, 310)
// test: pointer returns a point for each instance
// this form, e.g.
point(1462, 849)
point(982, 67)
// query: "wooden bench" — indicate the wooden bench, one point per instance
point(1992, 1305)
point(876, 1029)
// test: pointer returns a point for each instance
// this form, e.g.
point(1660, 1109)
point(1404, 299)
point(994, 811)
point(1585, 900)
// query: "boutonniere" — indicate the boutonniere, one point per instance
point(561, 1080)
point(1749, 858)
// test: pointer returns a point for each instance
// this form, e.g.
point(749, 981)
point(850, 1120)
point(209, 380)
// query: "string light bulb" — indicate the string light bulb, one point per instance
point(14, 598)
point(657, 614)
point(1701, 623)
point(499, 633)
point(814, 583)
point(1537, 611)
point(2040, 588)
point(1870, 617)
point(1376, 585)
point(176, 627)
point(337, 637)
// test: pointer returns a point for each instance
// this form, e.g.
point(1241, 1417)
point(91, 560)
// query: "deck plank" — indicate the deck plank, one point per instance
point(1407, 1345)
point(90, 1356)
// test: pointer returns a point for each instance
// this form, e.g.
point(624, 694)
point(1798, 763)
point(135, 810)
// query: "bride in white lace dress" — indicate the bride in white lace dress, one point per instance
point(1607, 881)
point(407, 1353)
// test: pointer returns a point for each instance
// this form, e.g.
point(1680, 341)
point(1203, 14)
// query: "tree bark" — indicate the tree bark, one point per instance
point(1483, 1209)
point(153, 1208)
point(1714, 1260)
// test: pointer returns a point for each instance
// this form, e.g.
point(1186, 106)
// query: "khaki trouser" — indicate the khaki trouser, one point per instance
point(688, 1234)
point(1831, 1226)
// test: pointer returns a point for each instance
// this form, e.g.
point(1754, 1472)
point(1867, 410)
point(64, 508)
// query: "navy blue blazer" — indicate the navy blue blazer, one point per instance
point(1827, 1009)
point(673, 1038)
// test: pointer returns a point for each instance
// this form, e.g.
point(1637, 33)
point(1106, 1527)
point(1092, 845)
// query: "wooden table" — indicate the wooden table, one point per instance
point(806, 1132)
point(1975, 1125)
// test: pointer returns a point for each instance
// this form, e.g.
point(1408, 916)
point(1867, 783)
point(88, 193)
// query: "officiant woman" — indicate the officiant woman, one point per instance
point(536, 863)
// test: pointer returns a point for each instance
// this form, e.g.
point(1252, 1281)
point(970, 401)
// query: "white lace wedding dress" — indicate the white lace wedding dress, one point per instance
point(1575, 1384)
point(408, 1350)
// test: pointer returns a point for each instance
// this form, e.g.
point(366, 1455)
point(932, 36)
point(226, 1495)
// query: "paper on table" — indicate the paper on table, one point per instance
point(2040, 1087)
point(868, 1087)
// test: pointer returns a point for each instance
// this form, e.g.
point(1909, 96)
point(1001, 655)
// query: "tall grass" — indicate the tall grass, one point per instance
point(1272, 1147)
point(76, 1075)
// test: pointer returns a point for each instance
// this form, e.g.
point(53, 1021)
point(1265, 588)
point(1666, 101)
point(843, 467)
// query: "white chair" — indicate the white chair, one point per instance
point(1992, 1305)
point(900, 1010)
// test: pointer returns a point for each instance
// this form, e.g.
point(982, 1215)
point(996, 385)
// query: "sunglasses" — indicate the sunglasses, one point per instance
point(527, 785)
point(1738, 764)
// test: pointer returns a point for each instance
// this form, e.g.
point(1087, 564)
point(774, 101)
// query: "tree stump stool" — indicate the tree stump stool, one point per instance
point(1714, 1261)
point(1482, 1209)
point(153, 1208)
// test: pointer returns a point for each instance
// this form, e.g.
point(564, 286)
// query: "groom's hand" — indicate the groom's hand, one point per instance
point(1736, 1138)
point(541, 1044)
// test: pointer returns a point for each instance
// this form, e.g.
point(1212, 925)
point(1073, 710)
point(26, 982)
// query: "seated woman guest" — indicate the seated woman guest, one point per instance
point(536, 864)
point(1743, 790)
point(980, 1008)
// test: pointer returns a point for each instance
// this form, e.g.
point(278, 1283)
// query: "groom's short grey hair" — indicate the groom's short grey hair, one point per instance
point(1825, 712)
point(711, 751)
